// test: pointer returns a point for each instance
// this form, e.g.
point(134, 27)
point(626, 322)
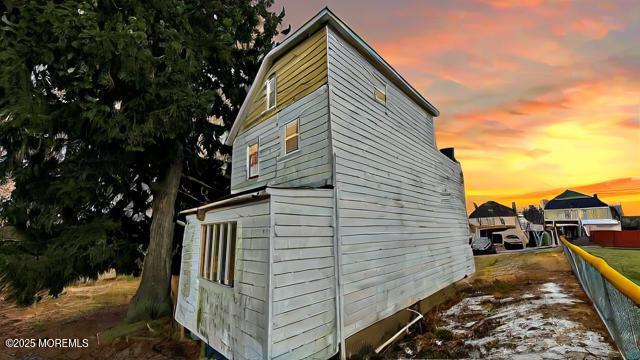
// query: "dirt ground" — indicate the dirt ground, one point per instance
point(93, 311)
point(516, 306)
point(519, 305)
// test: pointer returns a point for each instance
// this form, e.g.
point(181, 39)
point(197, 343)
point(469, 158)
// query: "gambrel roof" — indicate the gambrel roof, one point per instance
point(324, 17)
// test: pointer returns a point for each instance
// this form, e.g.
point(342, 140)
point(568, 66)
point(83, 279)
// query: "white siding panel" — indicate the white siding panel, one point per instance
point(188, 285)
point(403, 223)
point(304, 303)
point(309, 166)
point(233, 320)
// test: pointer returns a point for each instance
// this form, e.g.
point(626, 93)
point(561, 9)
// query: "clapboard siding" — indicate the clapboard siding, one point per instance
point(403, 225)
point(303, 274)
point(233, 320)
point(298, 73)
point(309, 166)
point(186, 309)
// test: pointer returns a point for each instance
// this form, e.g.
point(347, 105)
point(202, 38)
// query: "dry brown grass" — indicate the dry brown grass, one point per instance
point(91, 310)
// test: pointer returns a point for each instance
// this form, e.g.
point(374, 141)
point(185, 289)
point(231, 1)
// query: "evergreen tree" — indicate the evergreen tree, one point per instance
point(111, 119)
point(533, 214)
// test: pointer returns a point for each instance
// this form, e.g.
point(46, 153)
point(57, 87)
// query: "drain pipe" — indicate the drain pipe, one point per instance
point(394, 337)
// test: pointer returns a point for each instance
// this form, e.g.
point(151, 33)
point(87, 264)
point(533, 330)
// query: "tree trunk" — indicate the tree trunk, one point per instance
point(153, 296)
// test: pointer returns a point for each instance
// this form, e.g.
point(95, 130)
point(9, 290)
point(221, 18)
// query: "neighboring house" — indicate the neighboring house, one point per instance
point(575, 214)
point(499, 223)
point(343, 211)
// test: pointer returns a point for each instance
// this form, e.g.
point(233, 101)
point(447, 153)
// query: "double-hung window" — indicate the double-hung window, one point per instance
point(218, 252)
point(252, 160)
point(271, 91)
point(292, 136)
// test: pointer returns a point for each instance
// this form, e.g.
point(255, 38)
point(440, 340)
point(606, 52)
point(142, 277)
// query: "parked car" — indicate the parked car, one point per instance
point(511, 239)
point(482, 245)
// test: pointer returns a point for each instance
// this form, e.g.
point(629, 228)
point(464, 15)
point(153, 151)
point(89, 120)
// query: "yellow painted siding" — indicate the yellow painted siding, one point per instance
point(575, 214)
point(298, 73)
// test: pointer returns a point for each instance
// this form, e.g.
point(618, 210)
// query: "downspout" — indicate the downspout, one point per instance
point(337, 255)
point(338, 269)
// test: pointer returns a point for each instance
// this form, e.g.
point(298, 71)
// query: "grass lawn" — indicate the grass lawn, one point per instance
point(626, 261)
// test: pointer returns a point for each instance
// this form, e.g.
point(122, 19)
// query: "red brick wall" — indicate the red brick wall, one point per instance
point(624, 238)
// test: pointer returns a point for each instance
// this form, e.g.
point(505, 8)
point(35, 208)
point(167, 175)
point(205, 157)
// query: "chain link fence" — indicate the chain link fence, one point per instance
point(615, 299)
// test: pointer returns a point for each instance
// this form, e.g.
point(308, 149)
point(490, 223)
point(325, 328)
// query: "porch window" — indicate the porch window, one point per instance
point(291, 137)
point(218, 252)
point(271, 91)
point(252, 160)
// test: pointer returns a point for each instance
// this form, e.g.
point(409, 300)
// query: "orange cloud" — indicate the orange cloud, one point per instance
point(533, 94)
point(590, 28)
point(507, 4)
point(624, 191)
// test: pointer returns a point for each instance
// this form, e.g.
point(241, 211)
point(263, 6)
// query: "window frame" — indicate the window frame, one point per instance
point(249, 145)
point(271, 86)
point(286, 137)
point(213, 267)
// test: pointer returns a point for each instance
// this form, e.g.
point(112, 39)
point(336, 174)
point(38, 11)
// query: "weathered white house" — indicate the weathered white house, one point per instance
point(343, 211)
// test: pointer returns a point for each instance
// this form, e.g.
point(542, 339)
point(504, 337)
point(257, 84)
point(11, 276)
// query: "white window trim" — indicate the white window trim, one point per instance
point(268, 91)
point(284, 138)
point(248, 165)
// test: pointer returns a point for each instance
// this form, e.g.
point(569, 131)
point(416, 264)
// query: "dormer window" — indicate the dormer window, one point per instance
point(271, 91)
point(380, 94)
point(252, 160)
point(292, 137)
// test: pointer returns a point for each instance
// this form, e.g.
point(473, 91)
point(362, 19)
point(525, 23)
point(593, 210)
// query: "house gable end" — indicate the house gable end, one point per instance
point(298, 72)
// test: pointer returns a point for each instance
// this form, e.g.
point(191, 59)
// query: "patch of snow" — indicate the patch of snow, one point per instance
point(553, 295)
point(470, 303)
point(408, 351)
point(521, 330)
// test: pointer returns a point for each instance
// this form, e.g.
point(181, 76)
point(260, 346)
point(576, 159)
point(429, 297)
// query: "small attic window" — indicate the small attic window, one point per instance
point(380, 95)
point(271, 91)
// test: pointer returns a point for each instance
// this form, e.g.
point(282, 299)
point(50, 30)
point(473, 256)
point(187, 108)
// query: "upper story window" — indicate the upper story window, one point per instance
point(252, 160)
point(380, 95)
point(292, 136)
point(271, 91)
point(218, 252)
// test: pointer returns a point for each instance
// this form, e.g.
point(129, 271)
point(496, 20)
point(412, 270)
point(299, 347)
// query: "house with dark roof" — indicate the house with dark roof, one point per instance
point(499, 223)
point(574, 214)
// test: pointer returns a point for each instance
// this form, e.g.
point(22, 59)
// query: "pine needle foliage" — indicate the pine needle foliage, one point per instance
point(96, 99)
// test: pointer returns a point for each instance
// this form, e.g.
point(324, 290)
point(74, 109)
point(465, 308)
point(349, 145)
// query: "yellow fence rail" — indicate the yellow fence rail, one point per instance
point(615, 297)
point(622, 283)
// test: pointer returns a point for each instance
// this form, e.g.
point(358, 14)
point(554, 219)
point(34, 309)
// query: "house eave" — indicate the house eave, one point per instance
point(323, 18)
point(237, 199)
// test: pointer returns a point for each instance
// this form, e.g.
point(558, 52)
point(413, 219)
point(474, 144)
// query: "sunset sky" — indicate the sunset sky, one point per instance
point(535, 97)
